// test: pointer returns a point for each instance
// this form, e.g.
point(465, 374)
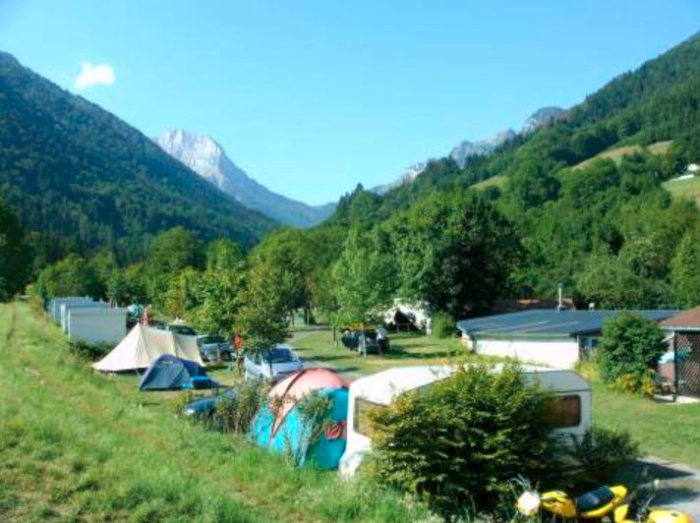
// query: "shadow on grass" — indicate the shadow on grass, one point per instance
point(398, 353)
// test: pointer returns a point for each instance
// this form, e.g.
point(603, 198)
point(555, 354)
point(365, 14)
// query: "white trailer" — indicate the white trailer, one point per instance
point(66, 308)
point(572, 413)
point(96, 325)
point(55, 305)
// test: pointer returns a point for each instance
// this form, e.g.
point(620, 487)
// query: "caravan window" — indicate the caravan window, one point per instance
point(565, 411)
point(361, 422)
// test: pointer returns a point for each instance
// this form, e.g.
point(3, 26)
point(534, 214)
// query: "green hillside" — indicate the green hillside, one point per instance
point(657, 102)
point(81, 178)
point(585, 194)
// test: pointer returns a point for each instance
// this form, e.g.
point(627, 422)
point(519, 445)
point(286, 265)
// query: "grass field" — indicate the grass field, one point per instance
point(406, 349)
point(619, 153)
point(667, 431)
point(77, 445)
point(685, 189)
point(495, 181)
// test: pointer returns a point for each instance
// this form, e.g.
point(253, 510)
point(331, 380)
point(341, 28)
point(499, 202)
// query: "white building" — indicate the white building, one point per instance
point(558, 339)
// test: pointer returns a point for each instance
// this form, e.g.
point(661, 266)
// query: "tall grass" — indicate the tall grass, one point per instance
point(76, 445)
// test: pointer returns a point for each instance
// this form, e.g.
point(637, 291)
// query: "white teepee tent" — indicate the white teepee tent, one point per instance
point(143, 345)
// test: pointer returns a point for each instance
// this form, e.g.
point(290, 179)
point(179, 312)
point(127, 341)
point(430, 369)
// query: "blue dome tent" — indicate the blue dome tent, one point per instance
point(169, 372)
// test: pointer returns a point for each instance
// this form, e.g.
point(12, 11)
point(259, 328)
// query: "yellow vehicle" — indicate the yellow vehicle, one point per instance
point(604, 503)
point(636, 511)
point(593, 505)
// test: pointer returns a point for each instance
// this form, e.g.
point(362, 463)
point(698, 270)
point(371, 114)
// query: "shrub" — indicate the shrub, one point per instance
point(179, 402)
point(443, 325)
point(236, 414)
point(629, 349)
point(603, 451)
point(458, 443)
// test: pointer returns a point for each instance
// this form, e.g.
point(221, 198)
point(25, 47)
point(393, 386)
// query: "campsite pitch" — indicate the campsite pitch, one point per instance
point(79, 445)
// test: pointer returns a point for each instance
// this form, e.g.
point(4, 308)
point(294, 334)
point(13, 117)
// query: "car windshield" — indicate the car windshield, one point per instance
point(279, 356)
point(182, 329)
point(205, 340)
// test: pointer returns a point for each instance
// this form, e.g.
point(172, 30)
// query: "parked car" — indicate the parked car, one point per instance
point(214, 347)
point(203, 408)
point(274, 364)
point(351, 340)
point(181, 328)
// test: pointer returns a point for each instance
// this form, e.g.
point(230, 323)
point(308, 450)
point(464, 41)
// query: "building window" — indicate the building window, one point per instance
point(362, 424)
point(564, 412)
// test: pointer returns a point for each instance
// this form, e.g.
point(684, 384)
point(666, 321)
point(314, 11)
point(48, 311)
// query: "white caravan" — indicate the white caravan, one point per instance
point(572, 414)
point(96, 325)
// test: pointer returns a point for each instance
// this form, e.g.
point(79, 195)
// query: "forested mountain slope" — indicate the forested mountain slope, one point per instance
point(658, 101)
point(81, 178)
point(606, 229)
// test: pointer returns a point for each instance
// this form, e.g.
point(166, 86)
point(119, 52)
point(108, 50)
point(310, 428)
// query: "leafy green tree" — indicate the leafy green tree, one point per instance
point(531, 185)
point(364, 278)
point(171, 252)
point(608, 283)
point(263, 313)
point(685, 272)
point(631, 346)
point(72, 276)
point(455, 252)
point(14, 253)
point(183, 294)
point(221, 288)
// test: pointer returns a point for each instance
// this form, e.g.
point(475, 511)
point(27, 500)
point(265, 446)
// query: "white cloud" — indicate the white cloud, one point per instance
point(94, 75)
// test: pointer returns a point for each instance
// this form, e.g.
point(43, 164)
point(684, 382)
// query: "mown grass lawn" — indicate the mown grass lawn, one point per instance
point(78, 445)
point(666, 431)
point(406, 349)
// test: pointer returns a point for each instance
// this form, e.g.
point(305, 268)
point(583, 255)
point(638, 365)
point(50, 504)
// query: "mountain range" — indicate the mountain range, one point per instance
point(80, 178)
point(208, 159)
point(465, 150)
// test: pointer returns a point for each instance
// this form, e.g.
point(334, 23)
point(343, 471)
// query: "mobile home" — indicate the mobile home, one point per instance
point(96, 325)
point(572, 413)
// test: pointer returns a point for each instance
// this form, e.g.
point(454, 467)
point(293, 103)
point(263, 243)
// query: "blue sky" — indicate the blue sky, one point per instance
point(312, 97)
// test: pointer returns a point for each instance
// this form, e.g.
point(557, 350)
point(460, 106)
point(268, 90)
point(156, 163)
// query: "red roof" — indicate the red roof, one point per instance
point(689, 319)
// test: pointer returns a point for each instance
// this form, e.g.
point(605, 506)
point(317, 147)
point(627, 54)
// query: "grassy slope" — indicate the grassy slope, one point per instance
point(618, 153)
point(685, 189)
point(668, 431)
point(78, 445)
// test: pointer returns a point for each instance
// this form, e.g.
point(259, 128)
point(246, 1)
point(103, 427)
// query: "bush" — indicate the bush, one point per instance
point(443, 325)
point(458, 443)
point(629, 350)
point(603, 451)
point(236, 414)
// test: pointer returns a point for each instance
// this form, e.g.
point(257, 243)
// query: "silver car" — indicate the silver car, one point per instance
point(274, 364)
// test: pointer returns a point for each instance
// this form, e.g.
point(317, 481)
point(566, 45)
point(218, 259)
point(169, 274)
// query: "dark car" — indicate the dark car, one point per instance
point(214, 347)
point(203, 408)
point(178, 328)
point(351, 339)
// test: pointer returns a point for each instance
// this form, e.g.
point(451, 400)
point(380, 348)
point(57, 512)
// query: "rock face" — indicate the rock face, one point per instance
point(207, 158)
point(408, 176)
point(484, 147)
point(541, 117)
